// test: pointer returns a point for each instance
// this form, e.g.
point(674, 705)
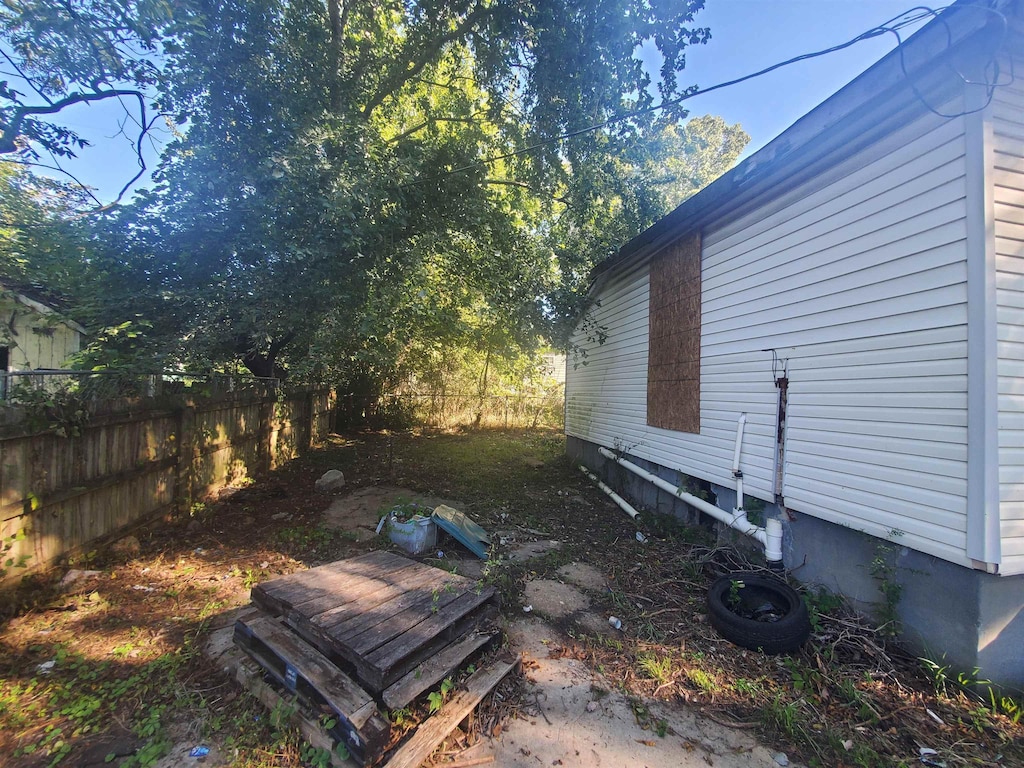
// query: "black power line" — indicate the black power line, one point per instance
point(892, 26)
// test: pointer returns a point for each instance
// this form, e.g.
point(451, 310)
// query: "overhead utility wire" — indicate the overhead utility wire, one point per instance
point(889, 27)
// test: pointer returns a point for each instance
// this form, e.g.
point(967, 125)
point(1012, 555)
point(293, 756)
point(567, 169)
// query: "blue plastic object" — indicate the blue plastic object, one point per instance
point(465, 531)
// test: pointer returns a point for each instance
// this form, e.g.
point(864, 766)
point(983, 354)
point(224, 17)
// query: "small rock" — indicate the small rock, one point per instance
point(46, 667)
point(281, 516)
point(781, 759)
point(331, 481)
point(129, 545)
point(591, 706)
point(77, 575)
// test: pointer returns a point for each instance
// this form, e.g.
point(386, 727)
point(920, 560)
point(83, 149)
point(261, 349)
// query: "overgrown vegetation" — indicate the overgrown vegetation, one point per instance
point(324, 208)
point(124, 644)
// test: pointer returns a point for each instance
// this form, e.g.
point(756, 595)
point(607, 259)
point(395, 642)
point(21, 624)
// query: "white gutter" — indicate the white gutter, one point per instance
point(770, 537)
point(625, 505)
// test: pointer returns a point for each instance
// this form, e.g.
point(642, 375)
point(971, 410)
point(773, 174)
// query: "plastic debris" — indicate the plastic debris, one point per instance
point(142, 588)
point(641, 538)
point(75, 575)
point(527, 608)
point(46, 667)
point(614, 622)
point(930, 757)
point(199, 751)
point(198, 551)
point(781, 759)
point(440, 554)
point(380, 525)
point(933, 716)
point(848, 745)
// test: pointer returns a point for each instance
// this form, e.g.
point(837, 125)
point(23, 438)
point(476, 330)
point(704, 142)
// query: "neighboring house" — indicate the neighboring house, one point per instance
point(867, 264)
point(33, 335)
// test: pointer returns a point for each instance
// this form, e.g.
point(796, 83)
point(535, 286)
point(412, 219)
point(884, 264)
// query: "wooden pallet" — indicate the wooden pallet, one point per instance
point(413, 752)
point(385, 618)
point(317, 682)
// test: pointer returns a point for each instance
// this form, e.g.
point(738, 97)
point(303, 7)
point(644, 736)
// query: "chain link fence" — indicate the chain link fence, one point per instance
point(31, 387)
point(447, 411)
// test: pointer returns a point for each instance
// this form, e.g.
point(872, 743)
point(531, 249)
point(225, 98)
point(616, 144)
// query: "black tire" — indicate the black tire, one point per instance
point(788, 627)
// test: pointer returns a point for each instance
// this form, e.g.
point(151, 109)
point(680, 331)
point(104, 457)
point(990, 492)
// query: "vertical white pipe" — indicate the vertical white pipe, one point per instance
point(736, 471)
point(740, 424)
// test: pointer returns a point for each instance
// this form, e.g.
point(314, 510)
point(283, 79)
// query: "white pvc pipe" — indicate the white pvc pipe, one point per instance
point(736, 472)
point(740, 423)
point(770, 536)
point(623, 504)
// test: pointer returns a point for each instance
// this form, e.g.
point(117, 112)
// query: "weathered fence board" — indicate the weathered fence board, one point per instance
point(127, 467)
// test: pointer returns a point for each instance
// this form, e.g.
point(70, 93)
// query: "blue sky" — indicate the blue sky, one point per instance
point(747, 35)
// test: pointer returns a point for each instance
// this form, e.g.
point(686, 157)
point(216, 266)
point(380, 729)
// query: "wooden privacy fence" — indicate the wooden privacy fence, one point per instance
point(125, 465)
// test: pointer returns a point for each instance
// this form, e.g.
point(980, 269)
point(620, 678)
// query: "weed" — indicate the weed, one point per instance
point(782, 716)
point(733, 598)
point(821, 602)
point(701, 680)
point(884, 572)
point(436, 698)
point(745, 687)
point(657, 669)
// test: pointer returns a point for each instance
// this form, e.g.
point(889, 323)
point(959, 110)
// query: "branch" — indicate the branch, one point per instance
point(513, 183)
point(416, 128)
point(144, 123)
point(12, 130)
point(425, 56)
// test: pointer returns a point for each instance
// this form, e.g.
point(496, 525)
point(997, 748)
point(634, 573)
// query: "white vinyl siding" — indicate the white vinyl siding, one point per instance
point(1008, 178)
point(858, 279)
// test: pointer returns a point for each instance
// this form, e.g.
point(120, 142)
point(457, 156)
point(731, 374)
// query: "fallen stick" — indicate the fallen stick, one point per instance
point(482, 760)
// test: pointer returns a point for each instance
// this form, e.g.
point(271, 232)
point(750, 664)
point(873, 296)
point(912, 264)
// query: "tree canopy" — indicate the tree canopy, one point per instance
point(357, 189)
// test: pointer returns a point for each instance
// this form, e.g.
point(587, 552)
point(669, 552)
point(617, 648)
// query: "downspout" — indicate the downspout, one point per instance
point(770, 537)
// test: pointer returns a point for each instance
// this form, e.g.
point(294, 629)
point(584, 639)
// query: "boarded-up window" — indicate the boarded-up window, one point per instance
point(673, 364)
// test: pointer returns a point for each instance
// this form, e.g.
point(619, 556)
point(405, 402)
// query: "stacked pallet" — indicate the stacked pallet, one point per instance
point(373, 631)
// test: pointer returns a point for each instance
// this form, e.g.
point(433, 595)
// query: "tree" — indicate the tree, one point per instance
point(63, 53)
point(695, 155)
point(305, 197)
point(362, 188)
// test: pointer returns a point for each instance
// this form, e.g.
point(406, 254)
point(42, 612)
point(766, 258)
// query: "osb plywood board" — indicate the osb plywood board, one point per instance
point(673, 363)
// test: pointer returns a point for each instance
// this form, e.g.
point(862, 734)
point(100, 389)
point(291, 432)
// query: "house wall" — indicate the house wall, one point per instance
point(34, 340)
point(1008, 177)
point(858, 280)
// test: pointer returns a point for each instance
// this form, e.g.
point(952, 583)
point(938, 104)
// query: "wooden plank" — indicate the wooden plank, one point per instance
point(435, 669)
point(340, 692)
point(368, 592)
point(279, 594)
point(378, 680)
point(344, 629)
point(249, 675)
point(389, 654)
point(395, 617)
point(301, 669)
point(432, 732)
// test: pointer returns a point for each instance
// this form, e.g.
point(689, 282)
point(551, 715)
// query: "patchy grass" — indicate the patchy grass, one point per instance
point(126, 680)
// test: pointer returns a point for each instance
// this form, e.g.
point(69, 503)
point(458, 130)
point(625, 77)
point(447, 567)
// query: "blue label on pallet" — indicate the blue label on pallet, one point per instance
point(290, 677)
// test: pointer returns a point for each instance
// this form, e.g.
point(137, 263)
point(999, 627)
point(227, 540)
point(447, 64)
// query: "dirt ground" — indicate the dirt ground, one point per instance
point(106, 667)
